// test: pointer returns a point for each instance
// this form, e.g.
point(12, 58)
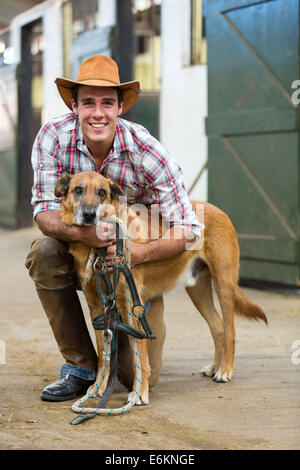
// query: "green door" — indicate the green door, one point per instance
point(253, 131)
point(8, 146)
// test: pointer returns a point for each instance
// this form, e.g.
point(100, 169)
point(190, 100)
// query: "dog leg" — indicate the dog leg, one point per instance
point(201, 296)
point(225, 293)
point(155, 347)
point(143, 398)
point(99, 378)
point(141, 350)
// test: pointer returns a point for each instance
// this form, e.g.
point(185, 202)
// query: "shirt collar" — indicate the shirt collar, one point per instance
point(80, 144)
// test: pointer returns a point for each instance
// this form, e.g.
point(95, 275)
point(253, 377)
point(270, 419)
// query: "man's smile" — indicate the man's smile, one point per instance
point(97, 125)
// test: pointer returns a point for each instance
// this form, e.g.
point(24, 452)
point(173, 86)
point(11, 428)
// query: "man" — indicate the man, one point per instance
point(93, 137)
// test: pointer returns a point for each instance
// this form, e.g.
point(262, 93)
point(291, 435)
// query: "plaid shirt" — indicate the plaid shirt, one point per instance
point(137, 162)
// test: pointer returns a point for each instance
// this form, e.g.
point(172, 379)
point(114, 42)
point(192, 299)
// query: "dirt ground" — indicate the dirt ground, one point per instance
point(258, 409)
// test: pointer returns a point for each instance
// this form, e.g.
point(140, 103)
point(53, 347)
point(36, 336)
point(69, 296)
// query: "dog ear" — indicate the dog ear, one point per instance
point(115, 190)
point(62, 186)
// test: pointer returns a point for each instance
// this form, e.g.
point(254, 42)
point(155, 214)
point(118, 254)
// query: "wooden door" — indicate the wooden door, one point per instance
point(253, 131)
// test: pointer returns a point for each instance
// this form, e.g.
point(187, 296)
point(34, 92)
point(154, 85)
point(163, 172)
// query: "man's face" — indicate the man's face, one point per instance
point(97, 109)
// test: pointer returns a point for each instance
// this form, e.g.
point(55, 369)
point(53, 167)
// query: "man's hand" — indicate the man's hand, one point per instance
point(50, 223)
point(98, 237)
point(136, 254)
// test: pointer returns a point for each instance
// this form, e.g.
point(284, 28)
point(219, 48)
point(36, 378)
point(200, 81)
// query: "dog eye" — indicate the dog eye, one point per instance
point(102, 192)
point(78, 190)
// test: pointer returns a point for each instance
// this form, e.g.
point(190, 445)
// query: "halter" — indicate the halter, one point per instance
point(111, 322)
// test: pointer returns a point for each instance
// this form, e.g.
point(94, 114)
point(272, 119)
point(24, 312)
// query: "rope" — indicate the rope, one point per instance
point(107, 338)
point(89, 268)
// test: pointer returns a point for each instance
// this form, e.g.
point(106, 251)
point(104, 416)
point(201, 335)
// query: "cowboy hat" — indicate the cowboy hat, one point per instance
point(99, 70)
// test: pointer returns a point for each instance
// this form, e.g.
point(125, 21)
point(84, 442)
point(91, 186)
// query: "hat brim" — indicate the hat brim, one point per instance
point(131, 90)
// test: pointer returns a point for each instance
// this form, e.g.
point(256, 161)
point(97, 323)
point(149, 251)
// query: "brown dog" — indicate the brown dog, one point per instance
point(217, 260)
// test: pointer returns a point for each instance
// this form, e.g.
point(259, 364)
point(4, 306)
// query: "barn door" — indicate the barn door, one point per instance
point(253, 131)
point(8, 146)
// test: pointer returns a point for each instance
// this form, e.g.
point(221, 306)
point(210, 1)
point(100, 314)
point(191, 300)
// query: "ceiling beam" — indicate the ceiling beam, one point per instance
point(11, 8)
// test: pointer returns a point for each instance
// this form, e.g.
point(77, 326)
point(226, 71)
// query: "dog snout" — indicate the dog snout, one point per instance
point(89, 214)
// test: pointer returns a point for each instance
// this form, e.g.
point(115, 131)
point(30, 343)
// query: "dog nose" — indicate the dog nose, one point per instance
point(89, 214)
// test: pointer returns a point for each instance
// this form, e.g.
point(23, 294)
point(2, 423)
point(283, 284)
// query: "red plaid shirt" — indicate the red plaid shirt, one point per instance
point(137, 162)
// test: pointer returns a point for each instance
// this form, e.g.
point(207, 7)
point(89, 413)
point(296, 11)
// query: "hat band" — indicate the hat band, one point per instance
point(100, 79)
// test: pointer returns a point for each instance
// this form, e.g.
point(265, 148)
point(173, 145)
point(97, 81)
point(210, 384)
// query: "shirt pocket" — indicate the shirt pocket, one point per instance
point(133, 192)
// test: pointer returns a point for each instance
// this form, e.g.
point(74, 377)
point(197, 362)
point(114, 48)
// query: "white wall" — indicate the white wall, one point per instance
point(183, 96)
point(53, 61)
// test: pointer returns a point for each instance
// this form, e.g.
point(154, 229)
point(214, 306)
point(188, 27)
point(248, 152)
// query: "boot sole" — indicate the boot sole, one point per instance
point(46, 397)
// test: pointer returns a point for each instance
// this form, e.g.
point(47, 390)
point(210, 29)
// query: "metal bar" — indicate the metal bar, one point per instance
point(197, 177)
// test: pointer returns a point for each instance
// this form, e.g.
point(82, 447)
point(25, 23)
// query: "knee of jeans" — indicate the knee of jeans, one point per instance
point(46, 249)
point(49, 259)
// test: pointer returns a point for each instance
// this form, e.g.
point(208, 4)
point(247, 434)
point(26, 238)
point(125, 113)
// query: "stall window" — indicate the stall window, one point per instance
point(78, 17)
point(147, 43)
point(198, 34)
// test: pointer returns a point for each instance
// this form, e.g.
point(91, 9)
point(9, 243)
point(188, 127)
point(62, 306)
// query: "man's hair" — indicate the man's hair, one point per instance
point(76, 88)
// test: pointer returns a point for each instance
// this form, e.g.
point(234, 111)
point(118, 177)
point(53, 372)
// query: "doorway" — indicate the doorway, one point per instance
point(30, 98)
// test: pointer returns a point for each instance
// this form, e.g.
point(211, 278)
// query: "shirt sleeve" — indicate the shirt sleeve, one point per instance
point(47, 169)
point(165, 180)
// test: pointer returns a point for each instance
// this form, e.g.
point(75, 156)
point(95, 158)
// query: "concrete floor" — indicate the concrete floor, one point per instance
point(258, 409)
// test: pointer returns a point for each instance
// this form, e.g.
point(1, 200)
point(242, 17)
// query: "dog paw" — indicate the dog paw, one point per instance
point(140, 400)
point(221, 376)
point(208, 371)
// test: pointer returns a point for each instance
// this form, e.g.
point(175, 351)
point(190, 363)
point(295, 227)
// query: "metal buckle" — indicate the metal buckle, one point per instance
point(107, 313)
point(100, 260)
point(138, 317)
point(115, 255)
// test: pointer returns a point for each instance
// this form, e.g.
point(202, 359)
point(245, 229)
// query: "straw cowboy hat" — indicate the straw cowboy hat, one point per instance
point(99, 70)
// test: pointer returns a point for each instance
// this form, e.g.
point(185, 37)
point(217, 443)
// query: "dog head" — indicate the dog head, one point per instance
point(87, 197)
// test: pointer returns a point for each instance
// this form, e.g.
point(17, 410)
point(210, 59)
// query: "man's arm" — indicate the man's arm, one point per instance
point(50, 224)
point(155, 250)
point(174, 242)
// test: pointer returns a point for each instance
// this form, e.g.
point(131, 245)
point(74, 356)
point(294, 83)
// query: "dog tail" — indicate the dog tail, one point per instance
point(248, 309)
